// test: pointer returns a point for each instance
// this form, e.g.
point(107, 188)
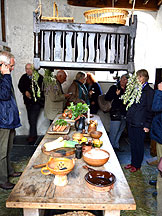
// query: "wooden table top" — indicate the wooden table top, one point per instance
point(35, 190)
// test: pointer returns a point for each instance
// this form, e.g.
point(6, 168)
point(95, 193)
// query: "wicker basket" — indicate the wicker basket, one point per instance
point(106, 15)
point(56, 18)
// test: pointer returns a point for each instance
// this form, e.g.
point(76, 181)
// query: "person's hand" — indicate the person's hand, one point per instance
point(5, 69)
point(91, 92)
point(146, 130)
point(117, 91)
point(93, 103)
point(28, 95)
point(160, 86)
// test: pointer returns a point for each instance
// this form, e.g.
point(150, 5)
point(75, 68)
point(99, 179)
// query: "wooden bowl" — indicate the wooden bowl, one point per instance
point(96, 157)
point(95, 134)
point(77, 136)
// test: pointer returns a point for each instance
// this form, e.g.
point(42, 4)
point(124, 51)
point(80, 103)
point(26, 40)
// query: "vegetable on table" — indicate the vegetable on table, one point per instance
point(60, 125)
point(77, 110)
point(59, 143)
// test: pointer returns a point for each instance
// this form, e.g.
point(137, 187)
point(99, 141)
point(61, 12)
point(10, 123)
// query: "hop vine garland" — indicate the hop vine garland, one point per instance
point(35, 87)
point(49, 81)
point(133, 91)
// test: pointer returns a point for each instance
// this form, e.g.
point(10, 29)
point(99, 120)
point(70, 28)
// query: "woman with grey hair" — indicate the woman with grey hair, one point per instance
point(78, 90)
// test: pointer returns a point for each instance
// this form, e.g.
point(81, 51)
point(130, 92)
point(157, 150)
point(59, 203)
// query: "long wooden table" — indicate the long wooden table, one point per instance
point(35, 191)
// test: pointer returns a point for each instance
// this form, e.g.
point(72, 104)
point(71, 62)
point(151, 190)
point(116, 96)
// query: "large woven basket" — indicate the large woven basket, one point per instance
point(56, 18)
point(106, 15)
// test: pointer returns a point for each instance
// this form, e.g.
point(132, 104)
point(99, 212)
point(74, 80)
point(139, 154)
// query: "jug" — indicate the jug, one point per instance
point(80, 123)
point(92, 126)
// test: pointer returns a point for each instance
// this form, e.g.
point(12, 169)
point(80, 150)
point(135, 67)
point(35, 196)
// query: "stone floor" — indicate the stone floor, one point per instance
point(142, 191)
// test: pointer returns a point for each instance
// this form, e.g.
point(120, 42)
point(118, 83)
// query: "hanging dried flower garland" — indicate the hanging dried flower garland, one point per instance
point(49, 81)
point(133, 91)
point(35, 87)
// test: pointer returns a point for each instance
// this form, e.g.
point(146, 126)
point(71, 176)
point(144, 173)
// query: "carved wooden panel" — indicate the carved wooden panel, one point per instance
point(91, 47)
point(112, 53)
point(103, 47)
point(69, 46)
point(80, 52)
point(84, 46)
point(47, 45)
point(58, 50)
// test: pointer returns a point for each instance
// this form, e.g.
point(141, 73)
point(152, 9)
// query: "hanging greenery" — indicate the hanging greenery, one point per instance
point(49, 80)
point(133, 91)
point(35, 87)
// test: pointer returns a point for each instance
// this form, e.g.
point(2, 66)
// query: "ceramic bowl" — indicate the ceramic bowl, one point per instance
point(58, 166)
point(96, 157)
point(95, 134)
point(100, 181)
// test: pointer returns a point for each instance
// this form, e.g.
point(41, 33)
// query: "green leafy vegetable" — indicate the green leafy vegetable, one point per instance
point(77, 109)
point(60, 122)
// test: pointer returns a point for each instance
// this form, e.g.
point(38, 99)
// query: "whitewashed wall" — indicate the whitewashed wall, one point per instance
point(20, 40)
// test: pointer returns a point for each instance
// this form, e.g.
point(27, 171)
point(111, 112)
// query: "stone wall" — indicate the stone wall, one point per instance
point(20, 40)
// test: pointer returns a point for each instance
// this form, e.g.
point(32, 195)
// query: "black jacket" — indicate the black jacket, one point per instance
point(25, 84)
point(117, 104)
point(95, 87)
point(156, 128)
point(140, 114)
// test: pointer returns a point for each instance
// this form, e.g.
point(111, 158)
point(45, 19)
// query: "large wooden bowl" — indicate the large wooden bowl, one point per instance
point(92, 157)
point(95, 134)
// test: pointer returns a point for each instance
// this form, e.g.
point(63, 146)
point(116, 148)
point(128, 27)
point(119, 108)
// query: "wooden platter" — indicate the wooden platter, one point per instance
point(60, 152)
point(50, 131)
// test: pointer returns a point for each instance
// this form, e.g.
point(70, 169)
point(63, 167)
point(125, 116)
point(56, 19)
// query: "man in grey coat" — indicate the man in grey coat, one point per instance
point(55, 97)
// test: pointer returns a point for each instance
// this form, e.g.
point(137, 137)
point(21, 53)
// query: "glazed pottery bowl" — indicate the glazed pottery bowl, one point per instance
point(100, 181)
point(58, 166)
point(96, 157)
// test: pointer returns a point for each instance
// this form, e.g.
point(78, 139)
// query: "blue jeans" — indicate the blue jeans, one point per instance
point(116, 129)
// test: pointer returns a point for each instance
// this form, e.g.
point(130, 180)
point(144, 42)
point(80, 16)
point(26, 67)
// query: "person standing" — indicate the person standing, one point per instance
point(156, 134)
point(117, 111)
point(78, 90)
point(55, 97)
point(94, 91)
point(32, 106)
point(139, 119)
point(9, 119)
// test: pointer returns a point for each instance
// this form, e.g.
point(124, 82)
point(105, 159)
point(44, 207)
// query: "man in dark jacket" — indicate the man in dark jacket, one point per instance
point(117, 112)
point(156, 134)
point(9, 119)
point(33, 107)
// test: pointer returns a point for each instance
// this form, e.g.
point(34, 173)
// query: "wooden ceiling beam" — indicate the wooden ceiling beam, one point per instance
point(151, 5)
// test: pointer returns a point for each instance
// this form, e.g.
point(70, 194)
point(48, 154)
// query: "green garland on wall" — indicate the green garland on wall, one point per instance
point(133, 91)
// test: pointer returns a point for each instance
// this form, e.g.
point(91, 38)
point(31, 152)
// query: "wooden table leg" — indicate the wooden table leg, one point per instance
point(33, 212)
point(112, 213)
